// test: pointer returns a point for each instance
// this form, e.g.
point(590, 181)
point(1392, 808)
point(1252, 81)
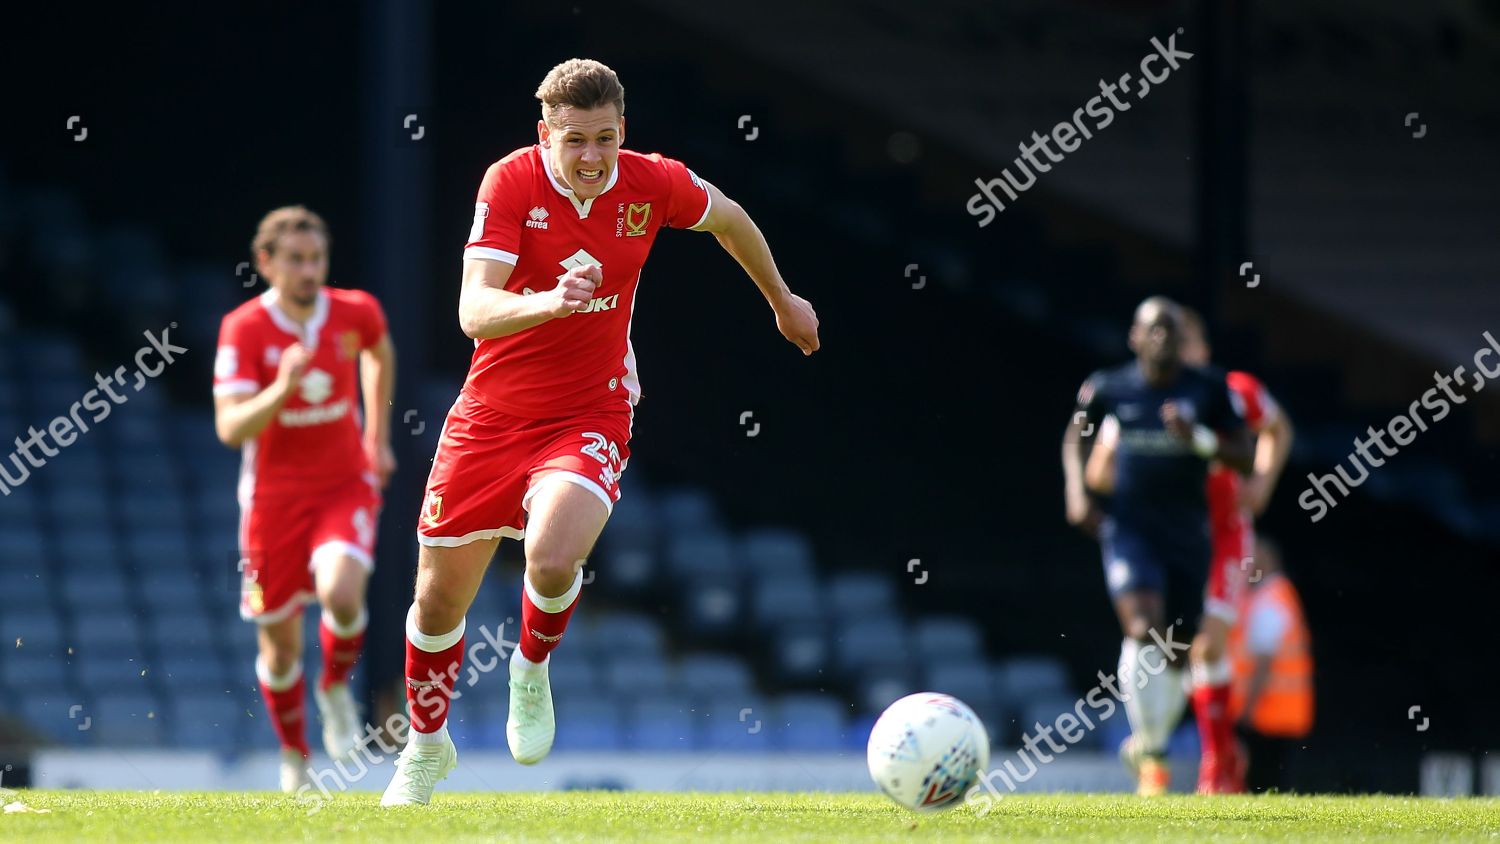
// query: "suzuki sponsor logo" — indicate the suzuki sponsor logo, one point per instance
point(317, 415)
point(602, 303)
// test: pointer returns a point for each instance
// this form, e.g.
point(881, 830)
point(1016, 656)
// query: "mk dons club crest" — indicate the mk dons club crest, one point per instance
point(317, 386)
point(636, 218)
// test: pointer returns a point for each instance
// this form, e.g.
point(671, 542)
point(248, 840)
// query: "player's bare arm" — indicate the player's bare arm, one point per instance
point(377, 378)
point(487, 310)
point(1234, 449)
point(1082, 512)
point(238, 418)
point(1273, 447)
point(741, 238)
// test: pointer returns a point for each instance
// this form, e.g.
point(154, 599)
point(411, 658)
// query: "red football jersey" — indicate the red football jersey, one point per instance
point(525, 217)
point(1224, 512)
point(314, 440)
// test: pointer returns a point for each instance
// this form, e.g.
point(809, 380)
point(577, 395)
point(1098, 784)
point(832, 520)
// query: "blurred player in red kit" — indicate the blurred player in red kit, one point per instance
point(534, 446)
point(1234, 501)
point(290, 367)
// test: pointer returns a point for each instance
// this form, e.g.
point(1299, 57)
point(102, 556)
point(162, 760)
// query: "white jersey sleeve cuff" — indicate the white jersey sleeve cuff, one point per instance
point(236, 388)
point(487, 253)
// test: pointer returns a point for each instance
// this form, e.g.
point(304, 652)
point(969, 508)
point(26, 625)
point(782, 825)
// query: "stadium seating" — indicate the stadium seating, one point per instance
point(144, 593)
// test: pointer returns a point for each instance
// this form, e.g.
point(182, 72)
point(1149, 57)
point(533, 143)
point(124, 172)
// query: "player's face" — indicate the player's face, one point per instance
point(583, 146)
point(298, 267)
point(1155, 336)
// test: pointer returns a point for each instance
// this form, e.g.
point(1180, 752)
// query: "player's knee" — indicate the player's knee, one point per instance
point(280, 657)
point(551, 573)
point(1207, 648)
point(439, 610)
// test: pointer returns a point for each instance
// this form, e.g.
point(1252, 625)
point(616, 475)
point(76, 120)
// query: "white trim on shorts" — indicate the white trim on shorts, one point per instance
point(573, 478)
point(506, 532)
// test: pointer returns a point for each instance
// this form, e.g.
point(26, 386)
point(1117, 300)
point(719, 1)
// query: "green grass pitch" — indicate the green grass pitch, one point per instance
point(262, 818)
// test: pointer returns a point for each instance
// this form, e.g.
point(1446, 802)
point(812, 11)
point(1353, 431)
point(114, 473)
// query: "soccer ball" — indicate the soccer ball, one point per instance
point(927, 750)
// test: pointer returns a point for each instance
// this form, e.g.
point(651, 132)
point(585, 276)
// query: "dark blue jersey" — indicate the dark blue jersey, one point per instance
point(1159, 480)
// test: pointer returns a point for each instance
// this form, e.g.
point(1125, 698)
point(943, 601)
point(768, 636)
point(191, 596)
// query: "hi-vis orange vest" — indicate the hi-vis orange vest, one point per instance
point(1285, 706)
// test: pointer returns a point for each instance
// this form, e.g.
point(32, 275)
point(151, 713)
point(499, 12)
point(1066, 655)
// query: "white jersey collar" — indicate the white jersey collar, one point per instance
point(581, 206)
point(307, 333)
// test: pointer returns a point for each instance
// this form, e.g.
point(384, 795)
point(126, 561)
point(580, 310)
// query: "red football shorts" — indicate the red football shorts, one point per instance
point(283, 539)
point(1232, 568)
point(489, 464)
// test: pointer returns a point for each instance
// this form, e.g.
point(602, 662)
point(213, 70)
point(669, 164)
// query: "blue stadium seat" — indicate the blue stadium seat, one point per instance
point(1044, 710)
point(143, 473)
point(712, 606)
point(25, 590)
point(83, 506)
point(60, 716)
point(51, 356)
point(777, 553)
point(33, 673)
point(93, 590)
point(88, 550)
point(634, 523)
point(704, 554)
point(1019, 679)
point(162, 510)
point(107, 630)
point(861, 594)
point(23, 548)
point(630, 677)
point(135, 719)
point(37, 629)
point(78, 468)
point(181, 627)
point(632, 636)
point(882, 684)
point(663, 724)
point(869, 641)
point(206, 720)
point(572, 675)
point(138, 431)
point(777, 602)
point(150, 547)
point(948, 637)
point(167, 589)
point(108, 674)
point(739, 723)
point(710, 675)
point(625, 569)
point(201, 669)
point(809, 723)
point(687, 510)
point(969, 680)
point(588, 724)
point(801, 654)
point(21, 507)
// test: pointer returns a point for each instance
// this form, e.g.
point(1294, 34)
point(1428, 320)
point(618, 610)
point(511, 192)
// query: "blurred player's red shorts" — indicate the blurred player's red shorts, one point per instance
point(489, 464)
point(1232, 567)
point(285, 537)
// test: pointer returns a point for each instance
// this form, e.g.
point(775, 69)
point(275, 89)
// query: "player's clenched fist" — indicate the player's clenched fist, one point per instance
point(575, 290)
point(798, 323)
point(294, 362)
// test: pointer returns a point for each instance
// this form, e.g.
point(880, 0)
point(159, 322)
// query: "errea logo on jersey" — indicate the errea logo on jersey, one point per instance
point(538, 218)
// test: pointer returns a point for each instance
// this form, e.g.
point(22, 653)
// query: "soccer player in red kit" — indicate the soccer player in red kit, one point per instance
point(1234, 501)
point(287, 376)
point(534, 446)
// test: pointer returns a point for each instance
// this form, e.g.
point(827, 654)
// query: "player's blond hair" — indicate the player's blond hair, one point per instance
point(582, 84)
point(284, 220)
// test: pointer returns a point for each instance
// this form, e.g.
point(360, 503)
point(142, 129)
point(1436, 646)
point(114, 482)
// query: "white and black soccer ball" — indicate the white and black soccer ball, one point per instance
point(927, 750)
